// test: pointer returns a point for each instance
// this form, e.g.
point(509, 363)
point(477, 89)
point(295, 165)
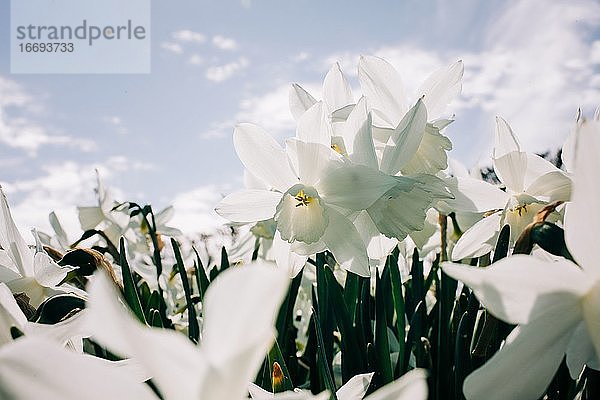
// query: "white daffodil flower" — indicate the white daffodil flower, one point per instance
point(23, 269)
point(337, 96)
point(239, 311)
point(402, 209)
point(312, 192)
point(350, 131)
point(31, 367)
point(530, 183)
point(555, 304)
point(567, 153)
point(60, 239)
point(114, 223)
point(382, 86)
point(12, 316)
point(411, 386)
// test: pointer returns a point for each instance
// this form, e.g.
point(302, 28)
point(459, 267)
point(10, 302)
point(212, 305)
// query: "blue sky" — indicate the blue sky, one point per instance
point(165, 138)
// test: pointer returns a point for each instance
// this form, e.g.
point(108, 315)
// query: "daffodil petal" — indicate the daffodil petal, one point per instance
point(402, 209)
point(10, 315)
point(310, 159)
point(7, 274)
point(473, 195)
point(300, 101)
point(90, 217)
point(314, 126)
point(526, 363)
point(521, 287)
point(510, 169)
point(536, 167)
point(240, 308)
point(344, 241)
point(355, 388)
point(286, 258)
point(358, 137)
point(581, 352)
point(354, 187)
point(505, 140)
point(263, 156)
point(441, 87)
point(12, 241)
point(383, 88)
point(477, 240)
point(336, 89)
point(249, 205)
point(405, 139)
point(61, 374)
point(172, 360)
point(47, 272)
point(73, 327)
point(431, 156)
point(582, 219)
point(410, 386)
point(378, 246)
point(551, 186)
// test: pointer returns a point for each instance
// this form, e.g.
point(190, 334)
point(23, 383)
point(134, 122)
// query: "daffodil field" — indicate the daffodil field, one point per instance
point(360, 262)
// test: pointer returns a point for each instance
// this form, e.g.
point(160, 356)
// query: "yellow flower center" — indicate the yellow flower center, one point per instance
point(303, 199)
point(337, 149)
point(522, 209)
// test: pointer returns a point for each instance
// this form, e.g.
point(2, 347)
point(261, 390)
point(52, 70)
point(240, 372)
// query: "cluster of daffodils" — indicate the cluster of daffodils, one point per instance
point(358, 177)
point(364, 263)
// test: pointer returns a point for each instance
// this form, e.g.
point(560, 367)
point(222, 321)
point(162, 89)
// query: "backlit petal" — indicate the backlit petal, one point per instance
point(249, 205)
point(263, 156)
point(519, 288)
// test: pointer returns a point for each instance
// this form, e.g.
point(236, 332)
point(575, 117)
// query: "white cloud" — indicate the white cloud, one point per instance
point(537, 71)
point(220, 73)
point(301, 56)
point(218, 130)
point(175, 48)
point(195, 59)
point(188, 36)
point(117, 124)
point(18, 128)
point(224, 43)
point(194, 209)
point(269, 110)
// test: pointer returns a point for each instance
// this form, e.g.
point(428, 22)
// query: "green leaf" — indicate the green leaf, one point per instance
point(145, 293)
point(399, 307)
point(15, 332)
point(351, 292)
point(201, 279)
point(214, 272)
point(322, 363)
point(353, 362)
point(382, 347)
point(502, 243)
point(551, 238)
point(153, 304)
point(155, 319)
point(224, 260)
point(413, 339)
point(327, 325)
point(193, 328)
point(129, 290)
